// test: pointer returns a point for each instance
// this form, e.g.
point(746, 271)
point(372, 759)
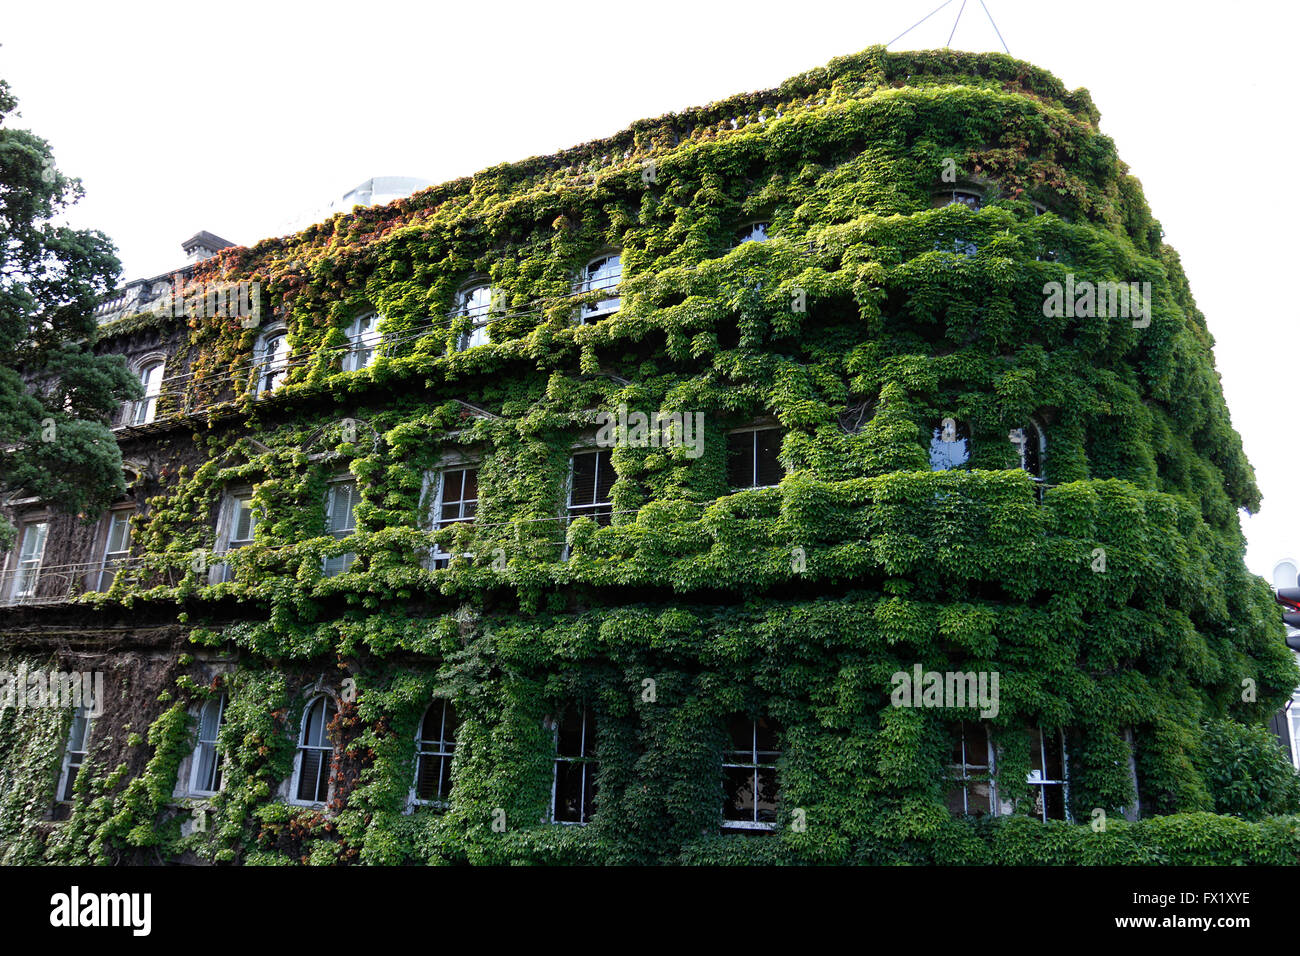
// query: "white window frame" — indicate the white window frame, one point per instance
point(347, 558)
point(203, 747)
point(590, 280)
point(442, 749)
point(70, 767)
point(754, 765)
point(1042, 783)
point(364, 336)
point(589, 509)
point(1020, 437)
point(272, 366)
point(327, 751)
point(479, 313)
point(145, 409)
point(752, 431)
point(228, 527)
point(436, 520)
point(26, 574)
point(586, 802)
point(112, 561)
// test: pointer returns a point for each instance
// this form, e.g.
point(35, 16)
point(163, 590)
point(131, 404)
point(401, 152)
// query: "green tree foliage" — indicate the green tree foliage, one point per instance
point(54, 439)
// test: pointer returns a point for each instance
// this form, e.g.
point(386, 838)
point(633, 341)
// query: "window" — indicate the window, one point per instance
point(971, 770)
point(573, 784)
point(27, 566)
point(272, 361)
point(117, 546)
point(1029, 446)
point(205, 777)
point(964, 197)
point(312, 769)
point(599, 275)
point(754, 232)
point(238, 520)
point(340, 522)
point(591, 475)
point(474, 302)
point(1047, 774)
point(75, 754)
point(949, 446)
point(457, 501)
point(434, 749)
point(753, 458)
point(749, 773)
point(144, 409)
point(363, 342)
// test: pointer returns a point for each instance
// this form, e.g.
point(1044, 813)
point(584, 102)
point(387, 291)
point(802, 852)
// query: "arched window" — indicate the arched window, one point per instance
point(1029, 445)
point(949, 446)
point(749, 777)
point(363, 341)
point(475, 303)
point(312, 767)
point(1286, 574)
point(965, 197)
point(754, 232)
point(599, 275)
point(272, 360)
point(145, 408)
point(434, 749)
point(205, 776)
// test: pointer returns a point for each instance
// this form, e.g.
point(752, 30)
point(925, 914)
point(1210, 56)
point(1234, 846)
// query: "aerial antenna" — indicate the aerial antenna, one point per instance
point(987, 13)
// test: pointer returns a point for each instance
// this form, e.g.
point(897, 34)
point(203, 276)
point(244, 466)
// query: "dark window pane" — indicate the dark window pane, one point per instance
point(738, 785)
point(568, 791)
point(569, 738)
point(770, 471)
point(584, 479)
point(1054, 797)
point(741, 731)
point(310, 774)
point(740, 459)
point(766, 795)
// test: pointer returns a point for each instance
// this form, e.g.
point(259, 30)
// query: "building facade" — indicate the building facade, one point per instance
point(728, 490)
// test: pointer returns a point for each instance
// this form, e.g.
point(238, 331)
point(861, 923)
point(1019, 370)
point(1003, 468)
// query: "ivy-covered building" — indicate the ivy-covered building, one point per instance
point(599, 507)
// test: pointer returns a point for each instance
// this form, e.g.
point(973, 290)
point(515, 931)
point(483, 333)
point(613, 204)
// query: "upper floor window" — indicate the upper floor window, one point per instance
point(315, 752)
point(205, 775)
point(75, 753)
point(145, 408)
point(964, 197)
point(949, 446)
point(573, 782)
point(749, 773)
point(1028, 442)
point(237, 523)
point(117, 547)
point(971, 770)
point(272, 360)
point(1047, 774)
point(457, 501)
point(591, 478)
point(474, 302)
point(600, 274)
point(754, 232)
point(363, 341)
point(753, 458)
point(340, 522)
point(435, 747)
point(27, 563)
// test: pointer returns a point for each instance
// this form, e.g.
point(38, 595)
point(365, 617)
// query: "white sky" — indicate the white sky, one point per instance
point(237, 117)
